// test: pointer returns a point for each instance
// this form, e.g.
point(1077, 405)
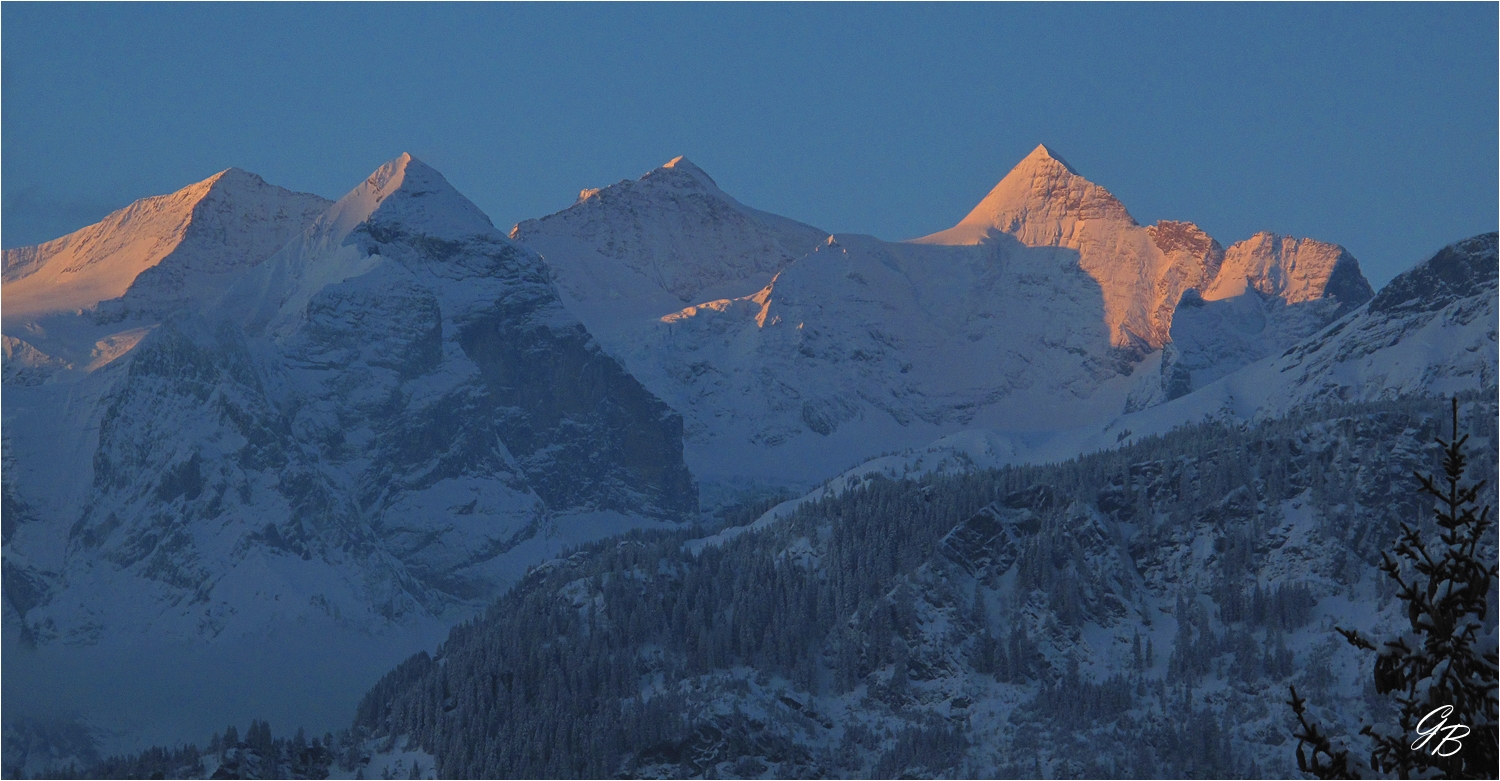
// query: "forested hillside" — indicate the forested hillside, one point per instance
point(1131, 613)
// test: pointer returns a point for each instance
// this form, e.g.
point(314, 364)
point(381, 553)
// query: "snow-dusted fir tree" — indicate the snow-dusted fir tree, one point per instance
point(1442, 672)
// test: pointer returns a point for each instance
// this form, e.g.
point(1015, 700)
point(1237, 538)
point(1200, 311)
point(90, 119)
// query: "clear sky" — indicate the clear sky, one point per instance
point(1373, 126)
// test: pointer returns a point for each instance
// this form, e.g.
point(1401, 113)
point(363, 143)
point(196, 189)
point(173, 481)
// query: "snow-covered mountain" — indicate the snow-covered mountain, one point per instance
point(863, 346)
point(1047, 302)
point(79, 302)
point(360, 440)
point(628, 254)
point(244, 426)
point(1143, 272)
point(161, 251)
point(1270, 291)
point(1431, 331)
point(361, 428)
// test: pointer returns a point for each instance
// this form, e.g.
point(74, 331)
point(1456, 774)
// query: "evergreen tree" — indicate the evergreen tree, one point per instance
point(1445, 685)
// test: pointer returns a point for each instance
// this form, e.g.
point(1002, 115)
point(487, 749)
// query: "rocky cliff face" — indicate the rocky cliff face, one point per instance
point(1269, 293)
point(384, 422)
point(1460, 272)
point(1294, 270)
point(1144, 272)
point(1192, 258)
point(1430, 330)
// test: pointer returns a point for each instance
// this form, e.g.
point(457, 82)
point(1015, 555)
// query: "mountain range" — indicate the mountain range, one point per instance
point(239, 417)
point(1048, 300)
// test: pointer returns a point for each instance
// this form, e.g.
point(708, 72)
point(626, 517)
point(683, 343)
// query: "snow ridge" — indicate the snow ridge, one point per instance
point(161, 250)
point(1143, 272)
point(1047, 301)
point(368, 436)
point(628, 254)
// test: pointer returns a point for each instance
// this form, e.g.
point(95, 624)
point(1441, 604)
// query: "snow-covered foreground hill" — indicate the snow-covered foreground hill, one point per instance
point(1135, 613)
point(334, 454)
point(1048, 302)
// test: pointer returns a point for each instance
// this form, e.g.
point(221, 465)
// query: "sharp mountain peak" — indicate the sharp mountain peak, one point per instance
point(680, 166)
point(230, 220)
point(1044, 153)
point(1037, 200)
point(406, 191)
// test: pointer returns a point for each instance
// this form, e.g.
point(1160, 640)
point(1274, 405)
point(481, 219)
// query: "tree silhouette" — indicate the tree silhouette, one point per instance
point(1444, 684)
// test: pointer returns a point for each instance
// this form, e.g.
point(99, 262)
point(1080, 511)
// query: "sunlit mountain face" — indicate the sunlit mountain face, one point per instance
point(256, 430)
point(351, 441)
point(802, 353)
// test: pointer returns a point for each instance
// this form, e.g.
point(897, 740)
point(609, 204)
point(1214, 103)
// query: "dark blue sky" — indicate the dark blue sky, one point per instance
point(1373, 126)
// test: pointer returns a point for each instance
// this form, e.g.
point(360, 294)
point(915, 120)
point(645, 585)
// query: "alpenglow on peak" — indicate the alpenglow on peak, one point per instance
point(173, 244)
point(1039, 202)
point(1142, 272)
point(1042, 152)
point(681, 165)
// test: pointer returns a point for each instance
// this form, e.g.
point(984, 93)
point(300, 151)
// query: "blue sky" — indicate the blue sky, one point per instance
point(1373, 126)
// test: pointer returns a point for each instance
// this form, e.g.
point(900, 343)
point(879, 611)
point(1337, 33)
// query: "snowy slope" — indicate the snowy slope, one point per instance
point(1270, 292)
point(865, 346)
point(1430, 331)
point(634, 251)
point(406, 402)
point(162, 249)
point(365, 438)
point(1048, 302)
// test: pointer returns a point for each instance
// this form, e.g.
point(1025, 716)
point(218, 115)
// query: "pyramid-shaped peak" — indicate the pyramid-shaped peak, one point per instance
point(231, 174)
point(683, 166)
point(186, 239)
point(232, 180)
point(1043, 154)
point(235, 172)
point(406, 172)
point(227, 179)
point(1039, 202)
point(391, 175)
point(408, 193)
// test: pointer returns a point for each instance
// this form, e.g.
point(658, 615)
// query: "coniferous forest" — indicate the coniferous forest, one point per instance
point(1133, 613)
